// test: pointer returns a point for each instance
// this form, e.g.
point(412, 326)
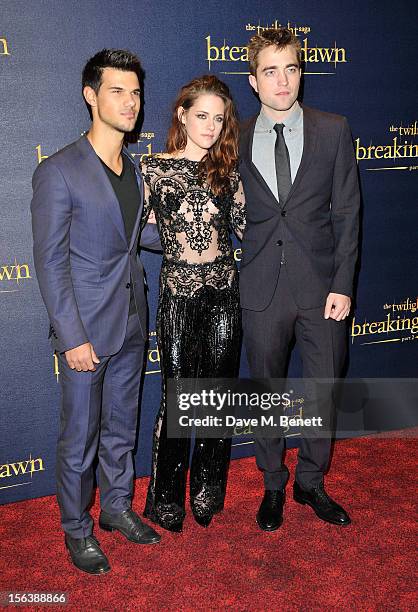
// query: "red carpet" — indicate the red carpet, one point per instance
point(305, 565)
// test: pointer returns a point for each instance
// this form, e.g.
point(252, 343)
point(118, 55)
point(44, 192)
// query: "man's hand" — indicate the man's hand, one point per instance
point(337, 306)
point(82, 358)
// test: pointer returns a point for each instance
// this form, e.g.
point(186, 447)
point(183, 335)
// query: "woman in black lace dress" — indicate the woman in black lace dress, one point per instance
point(197, 197)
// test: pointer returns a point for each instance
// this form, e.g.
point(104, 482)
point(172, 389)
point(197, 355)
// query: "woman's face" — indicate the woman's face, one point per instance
point(203, 122)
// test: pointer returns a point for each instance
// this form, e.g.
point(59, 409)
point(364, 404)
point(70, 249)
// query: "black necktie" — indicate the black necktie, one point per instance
point(281, 154)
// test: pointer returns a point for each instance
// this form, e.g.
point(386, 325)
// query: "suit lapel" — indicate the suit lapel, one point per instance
point(141, 197)
point(309, 146)
point(248, 137)
point(97, 177)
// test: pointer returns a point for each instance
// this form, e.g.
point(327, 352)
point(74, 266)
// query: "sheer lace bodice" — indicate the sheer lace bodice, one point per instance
point(194, 224)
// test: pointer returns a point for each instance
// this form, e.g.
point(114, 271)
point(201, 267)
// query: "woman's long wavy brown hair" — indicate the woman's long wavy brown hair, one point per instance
point(220, 161)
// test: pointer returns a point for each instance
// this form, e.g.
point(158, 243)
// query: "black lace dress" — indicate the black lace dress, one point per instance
point(198, 325)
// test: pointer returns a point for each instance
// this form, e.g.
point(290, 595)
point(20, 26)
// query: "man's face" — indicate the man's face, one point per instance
point(277, 79)
point(117, 102)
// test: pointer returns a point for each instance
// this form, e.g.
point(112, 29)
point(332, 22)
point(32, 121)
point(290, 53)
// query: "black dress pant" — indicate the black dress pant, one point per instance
point(268, 336)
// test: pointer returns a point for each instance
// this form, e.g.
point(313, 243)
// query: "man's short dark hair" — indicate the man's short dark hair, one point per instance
point(271, 37)
point(108, 58)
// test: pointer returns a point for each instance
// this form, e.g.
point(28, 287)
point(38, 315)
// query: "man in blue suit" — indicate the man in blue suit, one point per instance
point(86, 211)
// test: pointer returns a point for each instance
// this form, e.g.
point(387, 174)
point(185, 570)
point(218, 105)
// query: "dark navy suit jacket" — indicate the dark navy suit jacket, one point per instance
point(318, 225)
point(83, 261)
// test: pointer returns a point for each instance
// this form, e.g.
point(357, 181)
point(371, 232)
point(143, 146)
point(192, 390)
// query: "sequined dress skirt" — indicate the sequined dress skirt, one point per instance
point(199, 335)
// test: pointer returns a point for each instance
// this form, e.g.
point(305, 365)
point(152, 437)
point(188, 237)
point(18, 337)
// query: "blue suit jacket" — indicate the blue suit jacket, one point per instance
point(83, 261)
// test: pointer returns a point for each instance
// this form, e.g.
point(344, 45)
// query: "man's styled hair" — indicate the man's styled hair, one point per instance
point(278, 37)
point(108, 58)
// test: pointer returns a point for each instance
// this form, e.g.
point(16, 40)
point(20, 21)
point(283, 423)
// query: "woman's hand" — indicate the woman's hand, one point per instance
point(151, 218)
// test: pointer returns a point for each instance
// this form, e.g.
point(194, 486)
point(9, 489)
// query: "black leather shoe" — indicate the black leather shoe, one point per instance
point(324, 507)
point(130, 525)
point(87, 555)
point(270, 514)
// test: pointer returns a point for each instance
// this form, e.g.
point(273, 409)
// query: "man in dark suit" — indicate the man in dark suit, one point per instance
point(299, 252)
point(86, 211)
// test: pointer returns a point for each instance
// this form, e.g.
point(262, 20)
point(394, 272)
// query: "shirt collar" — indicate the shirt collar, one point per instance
point(291, 122)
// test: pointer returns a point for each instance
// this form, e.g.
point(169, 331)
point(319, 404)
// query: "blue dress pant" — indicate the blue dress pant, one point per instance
point(99, 415)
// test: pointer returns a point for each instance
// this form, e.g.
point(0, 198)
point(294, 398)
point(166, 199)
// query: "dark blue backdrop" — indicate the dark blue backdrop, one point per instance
point(358, 63)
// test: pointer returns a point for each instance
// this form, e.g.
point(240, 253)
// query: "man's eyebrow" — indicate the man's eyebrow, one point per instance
point(292, 65)
point(119, 88)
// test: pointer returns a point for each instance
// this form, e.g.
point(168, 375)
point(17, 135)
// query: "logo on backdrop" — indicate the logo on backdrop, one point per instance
point(144, 148)
point(400, 153)
point(317, 59)
point(153, 358)
point(20, 473)
point(4, 48)
point(40, 156)
point(12, 276)
point(238, 254)
point(398, 323)
point(153, 365)
point(56, 366)
point(293, 409)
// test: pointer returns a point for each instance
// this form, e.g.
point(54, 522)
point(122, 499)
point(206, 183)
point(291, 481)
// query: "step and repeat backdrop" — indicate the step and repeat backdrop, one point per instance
point(358, 61)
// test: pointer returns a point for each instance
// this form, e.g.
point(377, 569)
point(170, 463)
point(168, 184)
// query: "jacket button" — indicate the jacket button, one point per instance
point(279, 242)
point(283, 213)
point(128, 285)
